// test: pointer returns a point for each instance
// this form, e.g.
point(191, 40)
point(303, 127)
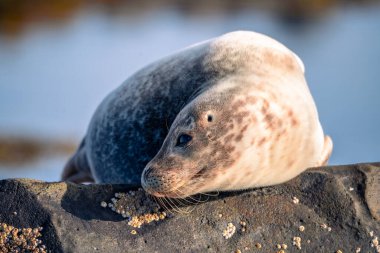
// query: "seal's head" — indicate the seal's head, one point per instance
point(253, 123)
point(198, 149)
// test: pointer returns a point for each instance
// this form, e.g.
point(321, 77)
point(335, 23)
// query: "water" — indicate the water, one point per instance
point(46, 169)
point(53, 76)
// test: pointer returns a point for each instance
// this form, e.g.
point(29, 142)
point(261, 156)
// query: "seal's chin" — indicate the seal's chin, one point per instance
point(170, 194)
point(157, 194)
point(176, 193)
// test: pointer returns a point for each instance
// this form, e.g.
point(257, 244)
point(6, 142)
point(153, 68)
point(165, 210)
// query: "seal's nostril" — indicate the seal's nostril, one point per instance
point(148, 171)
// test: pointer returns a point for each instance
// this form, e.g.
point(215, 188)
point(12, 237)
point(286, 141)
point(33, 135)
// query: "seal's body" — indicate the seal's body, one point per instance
point(231, 113)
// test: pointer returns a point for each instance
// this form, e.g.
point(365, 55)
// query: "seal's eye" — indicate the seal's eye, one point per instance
point(210, 118)
point(183, 139)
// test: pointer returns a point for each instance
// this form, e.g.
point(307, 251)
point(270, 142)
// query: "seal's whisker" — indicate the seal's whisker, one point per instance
point(161, 200)
point(172, 209)
point(165, 200)
point(162, 204)
point(187, 201)
point(152, 198)
point(182, 200)
point(178, 194)
point(170, 204)
point(174, 206)
point(182, 211)
point(155, 199)
point(188, 198)
point(207, 197)
point(179, 199)
point(188, 208)
point(210, 194)
point(196, 201)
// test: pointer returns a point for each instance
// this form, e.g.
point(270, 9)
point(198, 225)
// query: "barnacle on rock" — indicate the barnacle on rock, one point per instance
point(297, 242)
point(136, 206)
point(20, 239)
point(229, 231)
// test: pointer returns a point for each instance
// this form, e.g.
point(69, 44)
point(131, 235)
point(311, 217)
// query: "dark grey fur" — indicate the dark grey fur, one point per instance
point(130, 125)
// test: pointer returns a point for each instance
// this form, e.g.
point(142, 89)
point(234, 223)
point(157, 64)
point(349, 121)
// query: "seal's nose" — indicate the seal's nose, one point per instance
point(147, 172)
point(157, 181)
point(147, 178)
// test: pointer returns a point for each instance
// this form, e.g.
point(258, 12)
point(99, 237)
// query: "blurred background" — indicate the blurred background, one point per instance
point(59, 59)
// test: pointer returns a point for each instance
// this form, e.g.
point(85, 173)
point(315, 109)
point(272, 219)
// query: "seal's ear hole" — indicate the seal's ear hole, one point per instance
point(210, 118)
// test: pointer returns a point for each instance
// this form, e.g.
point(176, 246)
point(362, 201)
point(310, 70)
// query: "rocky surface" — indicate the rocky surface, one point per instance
point(323, 210)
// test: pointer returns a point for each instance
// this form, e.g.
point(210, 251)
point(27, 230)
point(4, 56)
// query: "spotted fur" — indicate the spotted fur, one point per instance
point(241, 97)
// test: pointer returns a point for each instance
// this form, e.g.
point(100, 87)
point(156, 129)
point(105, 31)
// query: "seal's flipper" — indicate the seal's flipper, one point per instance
point(77, 169)
point(326, 152)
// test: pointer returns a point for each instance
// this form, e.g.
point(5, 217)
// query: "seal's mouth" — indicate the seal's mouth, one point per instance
point(162, 187)
point(179, 192)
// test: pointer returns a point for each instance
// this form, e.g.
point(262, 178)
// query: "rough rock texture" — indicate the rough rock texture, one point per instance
point(344, 198)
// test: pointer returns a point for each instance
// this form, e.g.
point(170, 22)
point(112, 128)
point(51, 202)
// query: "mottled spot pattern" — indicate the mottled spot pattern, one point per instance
point(243, 100)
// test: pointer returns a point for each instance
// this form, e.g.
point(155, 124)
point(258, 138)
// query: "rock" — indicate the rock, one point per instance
point(338, 209)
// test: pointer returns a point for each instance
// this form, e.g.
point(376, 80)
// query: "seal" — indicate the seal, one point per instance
point(230, 113)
